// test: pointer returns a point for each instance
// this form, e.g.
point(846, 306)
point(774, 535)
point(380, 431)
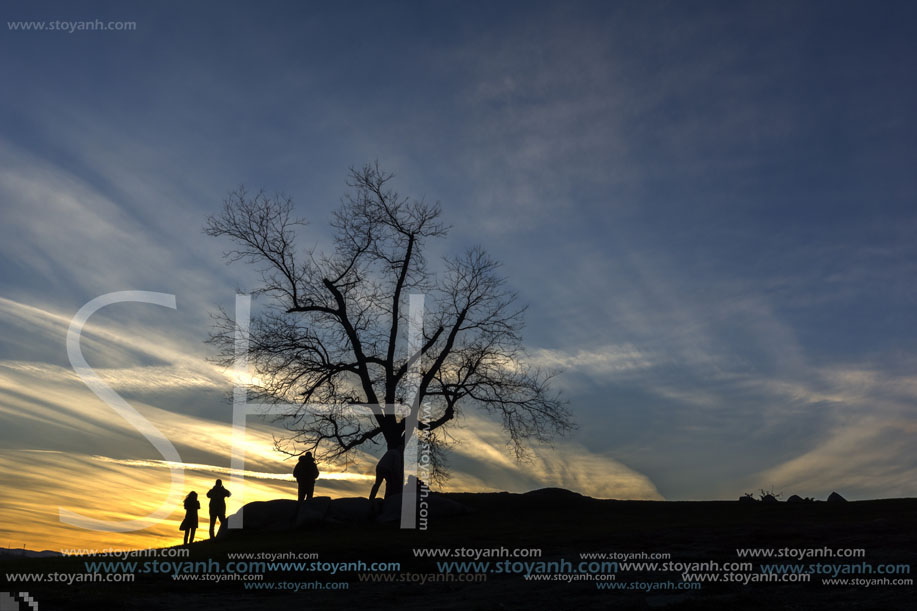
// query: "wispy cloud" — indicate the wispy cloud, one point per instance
point(286, 477)
point(607, 362)
point(482, 461)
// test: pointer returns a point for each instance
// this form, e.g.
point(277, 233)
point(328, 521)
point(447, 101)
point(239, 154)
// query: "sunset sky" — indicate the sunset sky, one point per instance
point(709, 207)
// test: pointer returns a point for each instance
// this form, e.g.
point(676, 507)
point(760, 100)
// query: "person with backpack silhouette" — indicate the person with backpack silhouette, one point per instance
point(306, 472)
point(217, 496)
point(189, 524)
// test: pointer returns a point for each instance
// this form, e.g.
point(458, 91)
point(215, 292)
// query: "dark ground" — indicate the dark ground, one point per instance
point(561, 524)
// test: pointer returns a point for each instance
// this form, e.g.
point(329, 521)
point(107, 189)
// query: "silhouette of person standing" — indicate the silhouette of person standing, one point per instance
point(306, 472)
point(389, 469)
point(217, 496)
point(189, 524)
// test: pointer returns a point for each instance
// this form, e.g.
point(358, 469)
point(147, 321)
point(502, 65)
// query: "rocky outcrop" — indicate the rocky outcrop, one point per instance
point(431, 505)
point(286, 514)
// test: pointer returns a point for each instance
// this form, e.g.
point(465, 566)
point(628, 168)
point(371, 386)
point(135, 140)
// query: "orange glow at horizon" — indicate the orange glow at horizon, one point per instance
point(107, 489)
point(72, 451)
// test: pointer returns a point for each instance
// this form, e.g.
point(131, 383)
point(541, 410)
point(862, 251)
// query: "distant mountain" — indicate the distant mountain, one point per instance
point(6, 552)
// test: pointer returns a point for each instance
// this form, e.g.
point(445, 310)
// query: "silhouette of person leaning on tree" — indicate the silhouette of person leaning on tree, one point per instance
point(189, 524)
point(217, 496)
point(389, 469)
point(306, 472)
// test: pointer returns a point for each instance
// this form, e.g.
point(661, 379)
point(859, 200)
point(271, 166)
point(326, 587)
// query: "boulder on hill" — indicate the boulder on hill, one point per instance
point(279, 514)
point(834, 497)
point(351, 509)
point(313, 511)
point(430, 506)
point(267, 515)
point(286, 514)
point(795, 499)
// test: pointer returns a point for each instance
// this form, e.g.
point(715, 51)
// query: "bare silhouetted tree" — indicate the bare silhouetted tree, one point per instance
point(333, 331)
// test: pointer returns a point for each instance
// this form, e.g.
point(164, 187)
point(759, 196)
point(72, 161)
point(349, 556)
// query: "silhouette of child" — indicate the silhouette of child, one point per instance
point(189, 524)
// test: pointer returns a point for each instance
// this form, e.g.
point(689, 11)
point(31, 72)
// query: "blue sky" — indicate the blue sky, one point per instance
point(709, 206)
